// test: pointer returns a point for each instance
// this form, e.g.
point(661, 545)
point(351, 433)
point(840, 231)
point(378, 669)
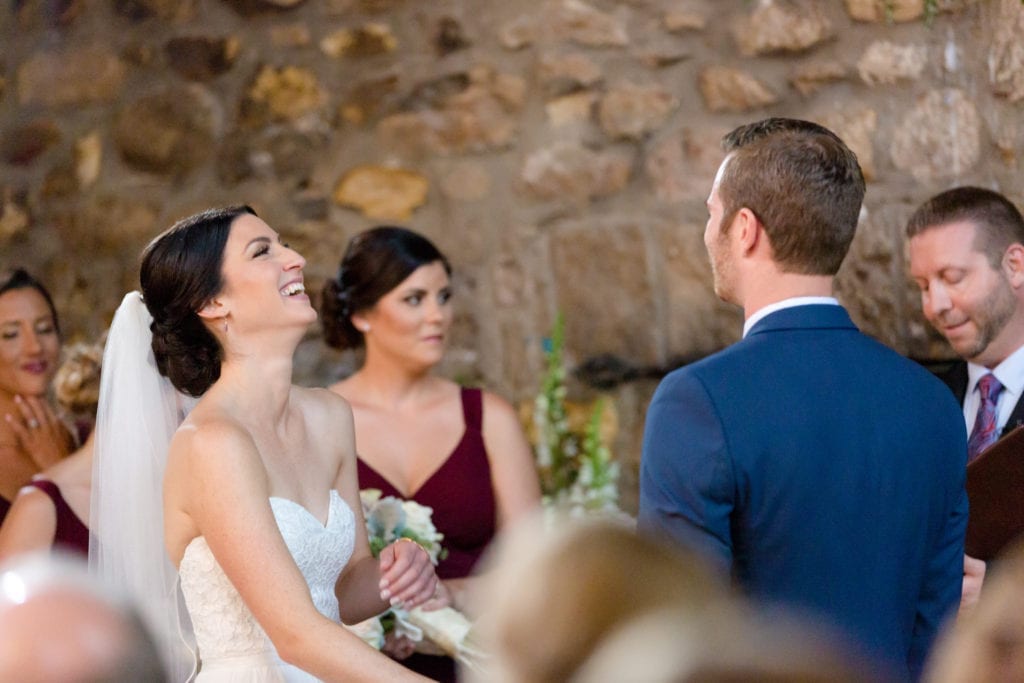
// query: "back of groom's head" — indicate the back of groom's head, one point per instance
point(803, 184)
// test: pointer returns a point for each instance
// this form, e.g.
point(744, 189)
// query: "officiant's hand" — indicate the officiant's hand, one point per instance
point(974, 576)
point(397, 647)
point(407, 575)
point(443, 597)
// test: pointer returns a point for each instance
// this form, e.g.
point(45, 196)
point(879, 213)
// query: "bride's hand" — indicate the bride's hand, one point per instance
point(407, 576)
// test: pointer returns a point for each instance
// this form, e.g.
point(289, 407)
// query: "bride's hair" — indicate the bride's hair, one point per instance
point(181, 273)
point(375, 262)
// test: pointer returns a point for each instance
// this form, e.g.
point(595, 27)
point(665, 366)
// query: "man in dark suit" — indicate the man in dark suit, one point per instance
point(966, 250)
point(824, 470)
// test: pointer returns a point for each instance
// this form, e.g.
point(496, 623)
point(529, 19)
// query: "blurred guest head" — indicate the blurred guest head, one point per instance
point(987, 642)
point(76, 385)
point(553, 594)
point(728, 645)
point(57, 625)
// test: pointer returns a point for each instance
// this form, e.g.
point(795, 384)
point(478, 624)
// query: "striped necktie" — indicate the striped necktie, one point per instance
point(984, 433)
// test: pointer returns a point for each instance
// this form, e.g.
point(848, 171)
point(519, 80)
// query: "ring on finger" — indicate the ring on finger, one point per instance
point(33, 423)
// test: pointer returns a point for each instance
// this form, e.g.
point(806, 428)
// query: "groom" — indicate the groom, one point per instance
point(819, 467)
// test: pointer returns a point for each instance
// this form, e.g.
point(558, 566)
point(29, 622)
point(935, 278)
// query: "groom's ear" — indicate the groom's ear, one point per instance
point(749, 229)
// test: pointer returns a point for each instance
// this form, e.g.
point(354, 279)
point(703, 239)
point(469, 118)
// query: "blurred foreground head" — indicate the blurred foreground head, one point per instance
point(57, 625)
point(589, 601)
point(554, 590)
point(987, 643)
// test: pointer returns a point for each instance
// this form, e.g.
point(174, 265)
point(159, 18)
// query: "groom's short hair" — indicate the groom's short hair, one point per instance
point(804, 185)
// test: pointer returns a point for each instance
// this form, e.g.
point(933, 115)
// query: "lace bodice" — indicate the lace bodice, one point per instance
point(224, 627)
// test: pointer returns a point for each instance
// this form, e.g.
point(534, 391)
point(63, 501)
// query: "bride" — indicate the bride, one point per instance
point(260, 509)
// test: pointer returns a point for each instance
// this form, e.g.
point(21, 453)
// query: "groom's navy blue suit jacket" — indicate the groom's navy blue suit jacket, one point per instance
point(824, 470)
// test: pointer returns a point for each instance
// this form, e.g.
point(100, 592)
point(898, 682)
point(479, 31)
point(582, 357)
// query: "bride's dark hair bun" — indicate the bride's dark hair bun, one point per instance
point(181, 273)
point(375, 262)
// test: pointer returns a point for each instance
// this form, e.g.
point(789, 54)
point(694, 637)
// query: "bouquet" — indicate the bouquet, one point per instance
point(387, 520)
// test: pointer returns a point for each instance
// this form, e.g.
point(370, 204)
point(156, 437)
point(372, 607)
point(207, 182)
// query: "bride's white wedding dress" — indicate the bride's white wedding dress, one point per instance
point(232, 645)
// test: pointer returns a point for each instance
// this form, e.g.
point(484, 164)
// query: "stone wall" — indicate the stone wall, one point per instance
point(559, 151)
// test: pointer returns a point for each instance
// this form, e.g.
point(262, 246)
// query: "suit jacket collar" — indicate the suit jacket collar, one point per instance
point(810, 316)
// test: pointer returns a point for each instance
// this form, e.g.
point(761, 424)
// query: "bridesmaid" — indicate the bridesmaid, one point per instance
point(421, 437)
point(49, 511)
point(32, 437)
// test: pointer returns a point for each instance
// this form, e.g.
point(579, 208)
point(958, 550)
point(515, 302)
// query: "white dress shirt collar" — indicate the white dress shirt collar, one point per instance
point(1010, 374)
point(759, 314)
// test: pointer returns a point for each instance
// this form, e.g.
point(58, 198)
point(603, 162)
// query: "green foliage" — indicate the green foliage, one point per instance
point(576, 470)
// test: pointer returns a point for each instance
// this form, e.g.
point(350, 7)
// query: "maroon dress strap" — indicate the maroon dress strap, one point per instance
point(5, 505)
point(71, 533)
point(473, 408)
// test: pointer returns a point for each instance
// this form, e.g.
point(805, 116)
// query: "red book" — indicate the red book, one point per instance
point(995, 489)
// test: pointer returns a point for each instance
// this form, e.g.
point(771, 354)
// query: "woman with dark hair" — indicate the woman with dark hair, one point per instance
point(52, 509)
point(420, 437)
point(32, 437)
point(260, 508)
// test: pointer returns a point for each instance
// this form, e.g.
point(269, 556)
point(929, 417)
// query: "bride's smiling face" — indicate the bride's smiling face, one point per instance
point(263, 280)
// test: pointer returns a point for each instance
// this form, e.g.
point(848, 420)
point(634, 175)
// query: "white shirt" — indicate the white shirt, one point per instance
point(793, 302)
point(1010, 374)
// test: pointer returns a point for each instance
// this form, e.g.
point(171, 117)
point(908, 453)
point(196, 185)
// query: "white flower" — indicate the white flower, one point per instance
point(371, 631)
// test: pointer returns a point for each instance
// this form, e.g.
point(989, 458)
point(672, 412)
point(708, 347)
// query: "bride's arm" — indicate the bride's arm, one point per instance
point(403, 573)
point(228, 499)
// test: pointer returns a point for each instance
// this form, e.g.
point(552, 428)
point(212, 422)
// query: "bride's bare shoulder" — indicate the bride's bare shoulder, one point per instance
point(323, 405)
point(211, 431)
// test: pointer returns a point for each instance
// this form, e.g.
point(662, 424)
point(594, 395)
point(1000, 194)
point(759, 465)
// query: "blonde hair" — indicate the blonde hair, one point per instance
point(77, 381)
point(987, 643)
point(555, 591)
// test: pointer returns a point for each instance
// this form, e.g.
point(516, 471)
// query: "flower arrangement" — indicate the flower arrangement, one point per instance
point(388, 519)
point(576, 469)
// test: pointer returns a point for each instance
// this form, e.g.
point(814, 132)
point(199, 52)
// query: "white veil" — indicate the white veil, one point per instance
point(139, 410)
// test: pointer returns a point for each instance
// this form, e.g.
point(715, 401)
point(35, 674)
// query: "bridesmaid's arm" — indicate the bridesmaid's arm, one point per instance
point(513, 473)
point(513, 478)
point(30, 525)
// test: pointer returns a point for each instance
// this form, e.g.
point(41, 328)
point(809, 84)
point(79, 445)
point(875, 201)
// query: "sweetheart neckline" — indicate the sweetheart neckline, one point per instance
point(323, 525)
point(330, 507)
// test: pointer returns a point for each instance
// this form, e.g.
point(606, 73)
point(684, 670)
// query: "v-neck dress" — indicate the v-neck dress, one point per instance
point(462, 498)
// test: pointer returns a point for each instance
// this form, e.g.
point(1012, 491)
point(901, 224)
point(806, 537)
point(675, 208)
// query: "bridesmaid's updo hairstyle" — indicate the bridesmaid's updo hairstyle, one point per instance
point(374, 263)
point(181, 273)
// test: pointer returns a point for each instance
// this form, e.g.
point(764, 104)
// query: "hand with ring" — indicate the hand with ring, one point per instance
point(40, 432)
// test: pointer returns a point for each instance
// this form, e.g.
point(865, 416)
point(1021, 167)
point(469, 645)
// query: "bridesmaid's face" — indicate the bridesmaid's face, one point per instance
point(29, 343)
point(411, 322)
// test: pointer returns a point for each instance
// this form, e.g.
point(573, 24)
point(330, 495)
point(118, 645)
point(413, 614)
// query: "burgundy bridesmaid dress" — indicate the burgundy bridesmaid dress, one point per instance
point(462, 498)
